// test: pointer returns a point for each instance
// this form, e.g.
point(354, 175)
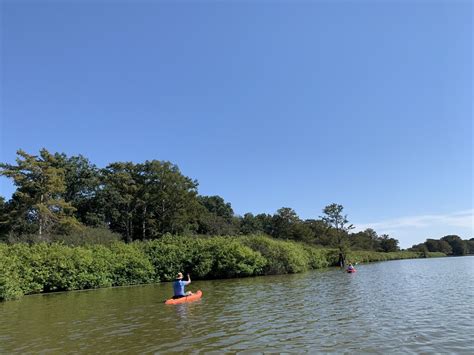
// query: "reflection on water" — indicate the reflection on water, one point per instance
point(398, 306)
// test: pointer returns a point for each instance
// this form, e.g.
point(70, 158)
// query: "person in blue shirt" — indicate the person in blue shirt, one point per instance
point(178, 286)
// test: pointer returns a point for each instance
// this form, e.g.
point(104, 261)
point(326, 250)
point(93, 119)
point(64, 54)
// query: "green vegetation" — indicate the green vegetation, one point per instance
point(71, 225)
point(362, 256)
point(449, 245)
point(43, 267)
point(70, 200)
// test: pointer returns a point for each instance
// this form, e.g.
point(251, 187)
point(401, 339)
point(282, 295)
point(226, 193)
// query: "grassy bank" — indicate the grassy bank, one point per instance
point(363, 256)
point(27, 269)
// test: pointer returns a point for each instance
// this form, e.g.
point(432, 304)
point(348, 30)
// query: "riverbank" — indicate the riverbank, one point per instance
point(27, 269)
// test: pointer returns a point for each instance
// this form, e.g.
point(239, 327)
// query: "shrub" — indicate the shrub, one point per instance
point(214, 257)
point(87, 236)
point(317, 257)
point(10, 283)
point(79, 237)
point(282, 257)
point(233, 259)
point(130, 266)
point(43, 267)
point(166, 259)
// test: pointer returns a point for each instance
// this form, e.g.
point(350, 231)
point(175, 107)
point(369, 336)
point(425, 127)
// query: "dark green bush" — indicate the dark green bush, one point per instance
point(317, 257)
point(10, 283)
point(80, 237)
point(31, 268)
point(215, 257)
point(55, 267)
point(233, 259)
point(282, 257)
point(87, 236)
point(167, 259)
point(130, 265)
point(43, 267)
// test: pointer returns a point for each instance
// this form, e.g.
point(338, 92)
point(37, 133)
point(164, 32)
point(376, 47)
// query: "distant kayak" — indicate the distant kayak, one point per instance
point(350, 271)
point(195, 296)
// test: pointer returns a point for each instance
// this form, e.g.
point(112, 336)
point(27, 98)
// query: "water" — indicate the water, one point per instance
point(409, 306)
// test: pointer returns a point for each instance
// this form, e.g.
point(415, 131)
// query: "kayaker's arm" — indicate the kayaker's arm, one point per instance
point(189, 280)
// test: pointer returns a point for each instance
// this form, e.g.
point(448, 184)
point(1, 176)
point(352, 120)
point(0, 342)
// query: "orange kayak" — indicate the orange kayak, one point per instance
point(195, 296)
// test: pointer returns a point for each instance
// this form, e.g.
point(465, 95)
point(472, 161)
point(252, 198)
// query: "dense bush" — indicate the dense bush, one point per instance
point(282, 257)
point(166, 258)
point(10, 284)
point(130, 266)
point(371, 256)
point(83, 236)
point(43, 267)
point(317, 258)
point(215, 257)
point(231, 258)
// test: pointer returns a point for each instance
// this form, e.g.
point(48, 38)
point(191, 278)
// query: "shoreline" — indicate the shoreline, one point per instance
point(49, 268)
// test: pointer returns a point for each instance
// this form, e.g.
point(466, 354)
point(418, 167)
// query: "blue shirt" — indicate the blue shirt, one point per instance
point(178, 287)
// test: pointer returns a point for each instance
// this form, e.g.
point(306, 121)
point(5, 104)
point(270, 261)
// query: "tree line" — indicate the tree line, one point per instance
point(449, 245)
point(68, 197)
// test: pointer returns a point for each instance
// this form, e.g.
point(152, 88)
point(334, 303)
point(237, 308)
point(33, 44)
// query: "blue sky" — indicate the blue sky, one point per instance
point(267, 104)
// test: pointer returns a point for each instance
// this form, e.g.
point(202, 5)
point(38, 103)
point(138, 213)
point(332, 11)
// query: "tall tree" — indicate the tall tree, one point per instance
point(365, 240)
point(217, 206)
point(216, 216)
point(265, 220)
point(334, 217)
point(388, 244)
point(118, 197)
point(434, 245)
point(250, 224)
point(38, 198)
point(319, 231)
point(283, 221)
point(4, 219)
point(470, 246)
point(82, 184)
point(147, 200)
point(172, 197)
point(457, 244)
point(286, 224)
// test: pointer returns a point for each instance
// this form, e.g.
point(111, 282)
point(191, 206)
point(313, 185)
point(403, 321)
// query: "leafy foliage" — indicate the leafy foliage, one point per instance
point(42, 267)
point(70, 200)
point(38, 202)
point(450, 245)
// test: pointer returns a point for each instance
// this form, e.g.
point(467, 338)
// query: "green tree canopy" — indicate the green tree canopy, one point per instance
point(365, 240)
point(388, 244)
point(457, 244)
point(338, 222)
point(250, 224)
point(82, 184)
point(38, 200)
point(148, 200)
point(216, 217)
point(287, 225)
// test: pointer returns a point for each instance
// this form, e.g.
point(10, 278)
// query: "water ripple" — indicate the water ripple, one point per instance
point(410, 306)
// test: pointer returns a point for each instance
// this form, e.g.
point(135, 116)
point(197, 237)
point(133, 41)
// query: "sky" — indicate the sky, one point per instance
point(268, 104)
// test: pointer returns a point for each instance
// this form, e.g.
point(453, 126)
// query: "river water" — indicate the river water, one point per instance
point(409, 306)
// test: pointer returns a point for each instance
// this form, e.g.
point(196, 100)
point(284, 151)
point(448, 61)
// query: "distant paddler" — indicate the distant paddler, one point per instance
point(351, 268)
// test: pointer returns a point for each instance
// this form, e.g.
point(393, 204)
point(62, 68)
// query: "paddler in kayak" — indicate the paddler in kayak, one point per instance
point(179, 285)
point(350, 268)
